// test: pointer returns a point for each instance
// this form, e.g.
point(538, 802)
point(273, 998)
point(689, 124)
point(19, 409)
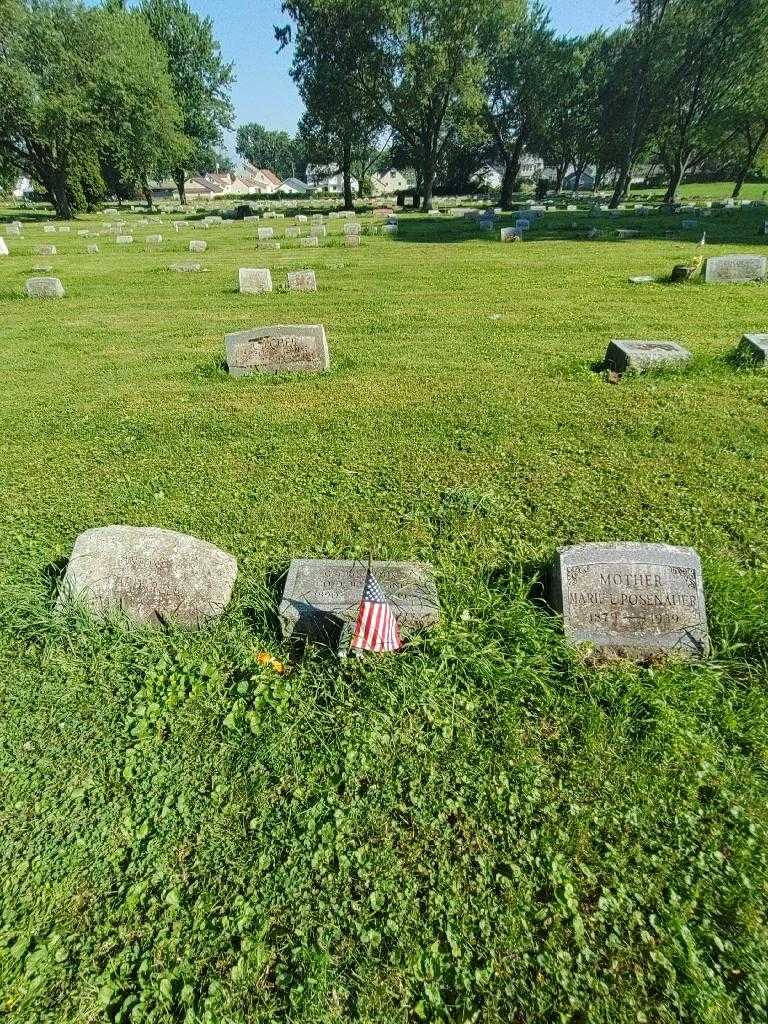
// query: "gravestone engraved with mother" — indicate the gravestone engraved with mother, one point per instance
point(624, 355)
point(150, 575)
point(632, 599)
point(737, 269)
point(280, 349)
point(322, 594)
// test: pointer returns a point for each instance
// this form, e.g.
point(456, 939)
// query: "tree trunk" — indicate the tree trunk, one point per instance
point(622, 186)
point(579, 170)
point(741, 177)
point(677, 173)
point(559, 175)
point(347, 175)
point(147, 193)
point(511, 173)
point(428, 174)
point(58, 190)
point(179, 180)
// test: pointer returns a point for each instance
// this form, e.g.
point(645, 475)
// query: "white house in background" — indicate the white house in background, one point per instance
point(200, 186)
point(388, 182)
point(259, 179)
point(20, 189)
point(586, 182)
point(490, 177)
point(293, 187)
point(328, 179)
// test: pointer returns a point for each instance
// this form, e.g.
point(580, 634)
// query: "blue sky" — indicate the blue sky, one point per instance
point(264, 91)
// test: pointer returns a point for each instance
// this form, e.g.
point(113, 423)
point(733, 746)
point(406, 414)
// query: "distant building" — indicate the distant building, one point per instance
point(21, 188)
point(388, 182)
point(586, 183)
point(492, 175)
point(293, 187)
point(328, 179)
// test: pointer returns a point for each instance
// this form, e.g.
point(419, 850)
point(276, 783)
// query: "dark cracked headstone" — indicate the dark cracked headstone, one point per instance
point(624, 355)
point(755, 348)
point(632, 599)
point(152, 576)
point(321, 595)
point(280, 349)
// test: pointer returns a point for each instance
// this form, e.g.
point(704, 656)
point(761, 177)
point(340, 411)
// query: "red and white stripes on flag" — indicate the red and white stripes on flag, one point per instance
point(376, 628)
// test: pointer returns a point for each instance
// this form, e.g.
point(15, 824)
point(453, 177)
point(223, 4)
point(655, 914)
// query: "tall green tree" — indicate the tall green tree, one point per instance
point(78, 83)
point(424, 70)
point(201, 77)
point(709, 51)
point(331, 43)
point(519, 53)
point(274, 150)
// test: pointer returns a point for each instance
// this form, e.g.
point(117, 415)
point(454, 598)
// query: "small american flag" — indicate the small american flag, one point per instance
point(376, 627)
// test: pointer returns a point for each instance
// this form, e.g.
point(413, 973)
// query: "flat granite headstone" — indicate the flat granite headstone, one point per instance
point(319, 231)
point(124, 239)
point(738, 268)
point(632, 599)
point(511, 234)
point(46, 250)
point(150, 575)
point(253, 281)
point(154, 239)
point(44, 288)
point(302, 281)
point(321, 595)
point(280, 349)
point(642, 280)
point(92, 249)
point(755, 348)
point(352, 228)
point(640, 355)
point(351, 240)
point(293, 232)
point(265, 233)
point(49, 229)
point(197, 246)
point(312, 242)
point(188, 267)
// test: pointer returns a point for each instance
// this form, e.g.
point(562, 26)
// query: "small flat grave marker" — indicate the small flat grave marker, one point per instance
point(46, 250)
point(152, 576)
point(624, 355)
point(188, 267)
point(92, 250)
point(265, 233)
point(755, 348)
point(197, 246)
point(322, 595)
point(630, 599)
point(124, 239)
point(44, 288)
point(311, 242)
point(281, 349)
point(254, 281)
point(739, 268)
point(154, 239)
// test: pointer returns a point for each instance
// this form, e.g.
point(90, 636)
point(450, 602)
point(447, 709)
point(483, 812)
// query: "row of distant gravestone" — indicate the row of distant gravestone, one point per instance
point(623, 599)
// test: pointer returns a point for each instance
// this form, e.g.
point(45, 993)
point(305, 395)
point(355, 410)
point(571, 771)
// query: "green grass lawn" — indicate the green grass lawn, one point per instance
point(708, 190)
point(484, 829)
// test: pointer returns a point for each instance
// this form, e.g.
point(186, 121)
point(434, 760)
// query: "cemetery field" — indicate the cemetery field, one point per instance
point(488, 827)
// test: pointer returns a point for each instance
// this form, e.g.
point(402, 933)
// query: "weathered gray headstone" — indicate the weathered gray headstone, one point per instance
point(638, 600)
point(279, 349)
point(197, 246)
point(13, 230)
point(352, 229)
point(254, 281)
point(642, 355)
point(755, 348)
point(511, 235)
point(311, 242)
point(49, 229)
point(319, 231)
point(265, 233)
point(293, 232)
point(46, 250)
point(64, 230)
point(44, 288)
point(389, 229)
point(301, 218)
point(626, 233)
point(735, 269)
point(150, 575)
point(321, 595)
point(154, 239)
point(269, 243)
point(124, 239)
point(3, 247)
point(642, 280)
point(92, 249)
point(351, 240)
point(302, 281)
